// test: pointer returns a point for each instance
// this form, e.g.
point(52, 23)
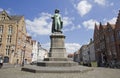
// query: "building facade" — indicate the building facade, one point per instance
point(13, 37)
point(107, 42)
point(87, 53)
point(38, 53)
point(42, 53)
point(34, 51)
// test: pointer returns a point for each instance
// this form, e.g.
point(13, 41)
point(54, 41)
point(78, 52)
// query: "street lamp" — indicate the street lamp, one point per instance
point(23, 55)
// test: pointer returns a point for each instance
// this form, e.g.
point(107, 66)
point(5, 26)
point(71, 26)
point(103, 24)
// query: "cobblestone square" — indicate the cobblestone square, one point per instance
point(15, 72)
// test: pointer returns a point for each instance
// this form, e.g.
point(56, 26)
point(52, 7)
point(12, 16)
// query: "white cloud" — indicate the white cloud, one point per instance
point(111, 4)
point(1, 9)
point(100, 2)
point(78, 26)
point(104, 3)
point(69, 25)
point(67, 21)
point(8, 10)
point(40, 25)
point(70, 47)
point(89, 24)
point(46, 46)
point(83, 7)
point(111, 21)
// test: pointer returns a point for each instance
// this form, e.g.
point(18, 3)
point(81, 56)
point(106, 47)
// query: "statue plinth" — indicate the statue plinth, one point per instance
point(57, 48)
point(57, 55)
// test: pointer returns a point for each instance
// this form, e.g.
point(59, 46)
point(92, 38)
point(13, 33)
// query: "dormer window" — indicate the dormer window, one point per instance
point(3, 16)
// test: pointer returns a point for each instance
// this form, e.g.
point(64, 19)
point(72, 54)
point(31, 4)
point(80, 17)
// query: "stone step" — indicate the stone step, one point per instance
point(56, 59)
point(57, 63)
point(73, 69)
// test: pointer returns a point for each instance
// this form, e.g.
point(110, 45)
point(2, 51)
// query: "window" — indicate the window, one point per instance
point(3, 16)
point(119, 48)
point(10, 30)
point(109, 29)
point(1, 29)
point(113, 50)
point(112, 38)
point(107, 39)
point(7, 50)
point(119, 35)
point(9, 38)
point(0, 38)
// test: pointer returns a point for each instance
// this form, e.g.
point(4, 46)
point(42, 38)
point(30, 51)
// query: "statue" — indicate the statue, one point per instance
point(57, 24)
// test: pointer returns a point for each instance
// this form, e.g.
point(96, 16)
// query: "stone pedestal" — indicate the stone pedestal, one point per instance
point(57, 48)
point(57, 55)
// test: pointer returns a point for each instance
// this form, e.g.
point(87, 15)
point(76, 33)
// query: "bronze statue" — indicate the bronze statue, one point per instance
point(57, 24)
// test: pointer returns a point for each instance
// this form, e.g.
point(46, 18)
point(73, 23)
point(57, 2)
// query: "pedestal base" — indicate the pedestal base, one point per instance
point(73, 69)
point(57, 63)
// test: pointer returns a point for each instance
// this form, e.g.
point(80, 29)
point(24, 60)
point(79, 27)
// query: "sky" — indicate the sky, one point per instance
point(78, 16)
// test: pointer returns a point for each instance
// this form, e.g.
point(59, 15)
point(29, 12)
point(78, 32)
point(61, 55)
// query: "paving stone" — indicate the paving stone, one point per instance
point(96, 73)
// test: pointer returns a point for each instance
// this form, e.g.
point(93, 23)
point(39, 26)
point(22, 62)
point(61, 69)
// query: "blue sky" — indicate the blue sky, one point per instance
point(79, 17)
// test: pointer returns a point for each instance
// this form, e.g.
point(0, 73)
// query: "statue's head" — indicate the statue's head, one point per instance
point(56, 11)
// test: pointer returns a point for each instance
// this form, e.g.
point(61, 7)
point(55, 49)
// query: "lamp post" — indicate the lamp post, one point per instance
point(23, 55)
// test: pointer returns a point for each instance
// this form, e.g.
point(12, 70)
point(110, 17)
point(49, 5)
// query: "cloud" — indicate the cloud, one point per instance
point(111, 21)
point(83, 7)
point(46, 46)
point(104, 2)
point(89, 24)
point(67, 21)
point(70, 47)
point(100, 2)
point(1, 9)
point(8, 10)
point(69, 25)
point(40, 25)
point(66, 11)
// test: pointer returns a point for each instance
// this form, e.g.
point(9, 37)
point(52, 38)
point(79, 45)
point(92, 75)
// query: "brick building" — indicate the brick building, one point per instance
point(13, 38)
point(107, 43)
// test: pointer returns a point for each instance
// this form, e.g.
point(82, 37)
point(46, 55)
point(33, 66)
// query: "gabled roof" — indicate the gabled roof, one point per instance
point(96, 26)
point(111, 25)
point(15, 17)
point(11, 17)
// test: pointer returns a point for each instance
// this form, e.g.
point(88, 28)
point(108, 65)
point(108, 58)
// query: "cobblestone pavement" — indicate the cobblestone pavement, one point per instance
point(96, 73)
